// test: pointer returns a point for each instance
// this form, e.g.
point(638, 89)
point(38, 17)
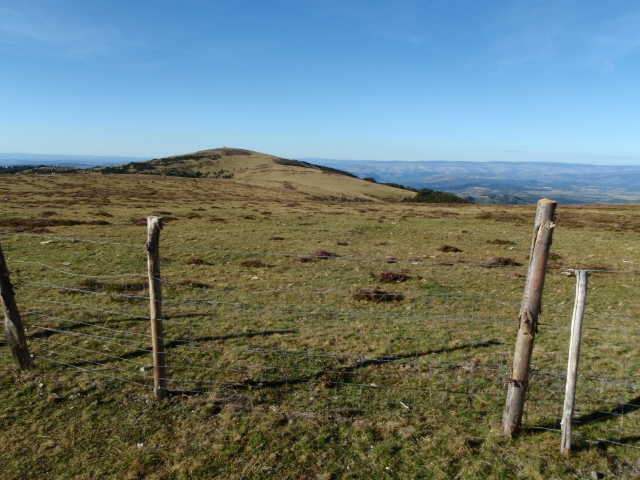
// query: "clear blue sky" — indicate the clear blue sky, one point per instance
point(406, 80)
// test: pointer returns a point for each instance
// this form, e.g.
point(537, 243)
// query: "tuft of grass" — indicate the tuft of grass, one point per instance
point(387, 276)
point(502, 262)
point(553, 256)
point(217, 220)
point(102, 213)
point(40, 230)
point(195, 261)
point(325, 254)
point(254, 263)
point(498, 241)
point(448, 249)
point(193, 284)
point(112, 287)
point(375, 294)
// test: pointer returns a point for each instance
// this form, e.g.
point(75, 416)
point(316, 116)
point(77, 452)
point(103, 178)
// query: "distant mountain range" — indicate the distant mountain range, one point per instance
point(481, 182)
point(77, 161)
point(504, 182)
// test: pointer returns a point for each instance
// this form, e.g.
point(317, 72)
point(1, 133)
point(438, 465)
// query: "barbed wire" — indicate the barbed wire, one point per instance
point(313, 255)
point(281, 370)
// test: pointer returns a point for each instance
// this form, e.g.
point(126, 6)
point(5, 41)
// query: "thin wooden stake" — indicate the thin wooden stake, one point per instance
point(582, 282)
point(528, 319)
point(154, 225)
point(13, 328)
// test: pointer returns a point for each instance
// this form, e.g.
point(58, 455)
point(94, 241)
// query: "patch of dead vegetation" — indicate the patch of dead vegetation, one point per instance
point(305, 259)
point(387, 276)
point(192, 284)
point(196, 261)
point(235, 152)
point(375, 294)
point(325, 254)
point(439, 214)
point(616, 221)
point(35, 225)
point(448, 249)
point(502, 262)
point(499, 241)
point(254, 263)
point(504, 216)
point(93, 285)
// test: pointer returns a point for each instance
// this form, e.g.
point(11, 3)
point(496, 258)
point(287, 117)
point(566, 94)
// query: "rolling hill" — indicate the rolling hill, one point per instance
point(253, 168)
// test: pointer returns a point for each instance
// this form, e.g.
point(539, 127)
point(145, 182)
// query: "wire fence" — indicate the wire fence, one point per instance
point(326, 347)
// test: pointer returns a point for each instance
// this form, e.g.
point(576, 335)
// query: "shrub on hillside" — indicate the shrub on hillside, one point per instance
point(433, 196)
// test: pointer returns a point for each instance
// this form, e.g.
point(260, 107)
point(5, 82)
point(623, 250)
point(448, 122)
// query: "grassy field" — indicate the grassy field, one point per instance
point(287, 362)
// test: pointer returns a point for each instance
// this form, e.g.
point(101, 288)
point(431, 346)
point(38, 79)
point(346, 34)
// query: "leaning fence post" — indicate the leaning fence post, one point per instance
point(13, 328)
point(154, 225)
point(582, 281)
point(528, 318)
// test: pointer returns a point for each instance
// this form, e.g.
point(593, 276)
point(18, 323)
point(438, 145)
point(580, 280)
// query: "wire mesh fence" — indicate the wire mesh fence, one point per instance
point(399, 348)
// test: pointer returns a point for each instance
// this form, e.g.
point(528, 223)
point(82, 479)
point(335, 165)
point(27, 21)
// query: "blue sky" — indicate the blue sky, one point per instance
point(405, 80)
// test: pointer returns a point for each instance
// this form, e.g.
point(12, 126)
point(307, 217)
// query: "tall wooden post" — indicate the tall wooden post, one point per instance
point(582, 281)
point(528, 319)
point(154, 225)
point(13, 328)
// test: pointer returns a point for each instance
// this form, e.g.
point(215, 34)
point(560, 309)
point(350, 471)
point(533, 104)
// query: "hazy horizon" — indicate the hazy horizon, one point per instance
point(7, 157)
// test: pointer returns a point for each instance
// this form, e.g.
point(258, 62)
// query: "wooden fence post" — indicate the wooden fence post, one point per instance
point(13, 328)
point(154, 225)
point(582, 282)
point(528, 318)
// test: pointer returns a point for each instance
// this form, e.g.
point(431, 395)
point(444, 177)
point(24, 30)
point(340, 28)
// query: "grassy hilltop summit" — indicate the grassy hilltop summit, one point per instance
point(255, 168)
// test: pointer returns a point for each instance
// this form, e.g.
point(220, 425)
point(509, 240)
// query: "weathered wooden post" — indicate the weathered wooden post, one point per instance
point(582, 281)
point(154, 225)
point(528, 319)
point(13, 328)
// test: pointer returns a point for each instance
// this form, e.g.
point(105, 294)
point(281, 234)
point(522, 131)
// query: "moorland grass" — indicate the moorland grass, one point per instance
point(306, 369)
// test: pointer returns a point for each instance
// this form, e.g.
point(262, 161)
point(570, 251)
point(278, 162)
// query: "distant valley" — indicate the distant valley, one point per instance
point(505, 182)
